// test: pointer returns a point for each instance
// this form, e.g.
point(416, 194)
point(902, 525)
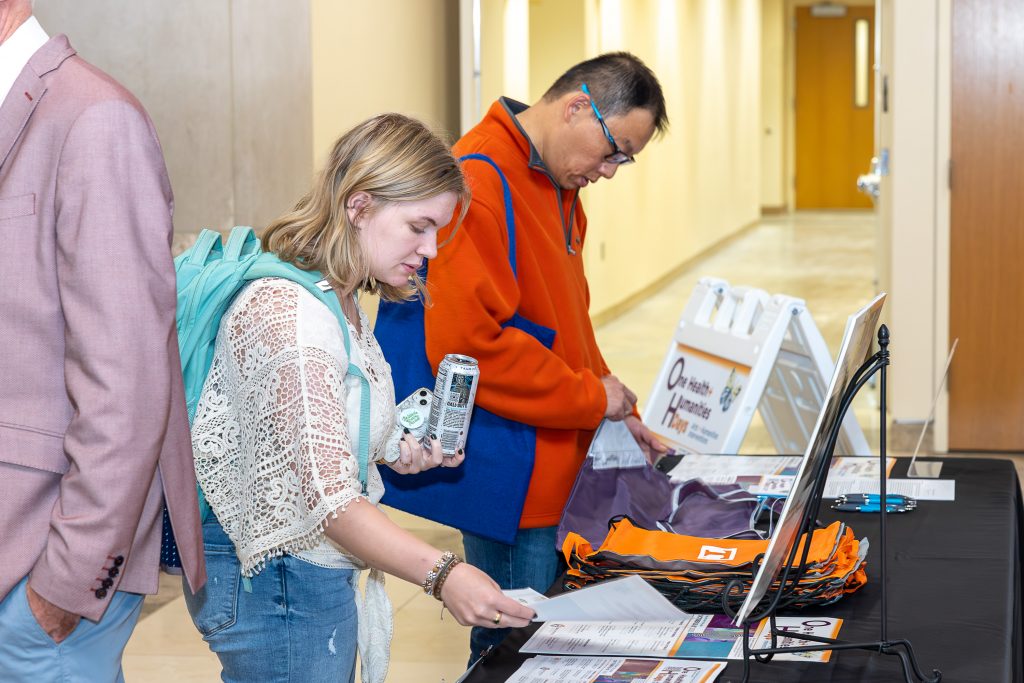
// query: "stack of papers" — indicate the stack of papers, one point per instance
point(614, 670)
point(702, 636)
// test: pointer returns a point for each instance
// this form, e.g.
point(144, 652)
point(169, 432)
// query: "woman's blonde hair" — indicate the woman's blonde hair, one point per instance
point(392, 158)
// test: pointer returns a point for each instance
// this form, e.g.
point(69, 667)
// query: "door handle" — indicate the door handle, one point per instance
point(870, 183)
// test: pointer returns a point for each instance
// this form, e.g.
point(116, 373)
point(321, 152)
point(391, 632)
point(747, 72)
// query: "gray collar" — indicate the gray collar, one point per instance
point(515, 108)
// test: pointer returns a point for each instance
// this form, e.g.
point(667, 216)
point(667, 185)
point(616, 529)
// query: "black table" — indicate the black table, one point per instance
point(953, 591)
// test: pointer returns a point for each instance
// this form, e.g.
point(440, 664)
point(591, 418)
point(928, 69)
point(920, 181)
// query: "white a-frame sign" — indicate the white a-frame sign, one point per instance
point(737, 350)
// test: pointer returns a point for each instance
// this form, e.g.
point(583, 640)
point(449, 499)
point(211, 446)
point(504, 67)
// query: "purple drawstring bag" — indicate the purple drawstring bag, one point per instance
point(653, 502)
point(711, 511)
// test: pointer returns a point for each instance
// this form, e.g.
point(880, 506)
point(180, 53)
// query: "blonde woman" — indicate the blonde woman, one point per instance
point(277, 426)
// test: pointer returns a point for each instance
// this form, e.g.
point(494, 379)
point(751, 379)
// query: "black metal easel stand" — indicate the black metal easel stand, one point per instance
point(792, 573)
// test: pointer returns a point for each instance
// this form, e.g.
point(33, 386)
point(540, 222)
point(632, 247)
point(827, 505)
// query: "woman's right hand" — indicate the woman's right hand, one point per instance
point(474, 599)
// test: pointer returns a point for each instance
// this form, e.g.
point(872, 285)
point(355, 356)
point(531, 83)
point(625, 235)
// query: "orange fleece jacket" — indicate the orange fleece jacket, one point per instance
point(558, 391)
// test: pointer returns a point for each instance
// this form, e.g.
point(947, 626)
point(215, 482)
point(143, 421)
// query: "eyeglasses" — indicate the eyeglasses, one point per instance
point(617, 156)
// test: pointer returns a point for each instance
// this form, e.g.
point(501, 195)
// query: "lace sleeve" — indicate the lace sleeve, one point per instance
point(271, 433)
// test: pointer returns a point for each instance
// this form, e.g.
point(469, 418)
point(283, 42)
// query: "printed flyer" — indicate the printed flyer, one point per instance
point(544, 669)
point(820, 627)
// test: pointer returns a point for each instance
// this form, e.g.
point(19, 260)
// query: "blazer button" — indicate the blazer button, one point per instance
point(101, 593)
point(113, 571)
point(107, 583)
point(119, 560)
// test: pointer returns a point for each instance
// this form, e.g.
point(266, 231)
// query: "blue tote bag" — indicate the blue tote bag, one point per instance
point(485, 495)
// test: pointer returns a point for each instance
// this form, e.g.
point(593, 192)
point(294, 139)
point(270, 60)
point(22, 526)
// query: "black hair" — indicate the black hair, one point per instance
point(619, 82)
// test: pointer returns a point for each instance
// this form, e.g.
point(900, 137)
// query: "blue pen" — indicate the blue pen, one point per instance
point(870, 507)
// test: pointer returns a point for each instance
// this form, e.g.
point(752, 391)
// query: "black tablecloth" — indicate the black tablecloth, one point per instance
point(953, 591)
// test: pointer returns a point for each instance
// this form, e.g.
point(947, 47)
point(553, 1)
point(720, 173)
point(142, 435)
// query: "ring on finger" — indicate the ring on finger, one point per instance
point(497, 618)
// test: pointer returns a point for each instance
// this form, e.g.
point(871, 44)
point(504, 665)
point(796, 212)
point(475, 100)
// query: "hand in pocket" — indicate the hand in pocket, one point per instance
point(58, 623)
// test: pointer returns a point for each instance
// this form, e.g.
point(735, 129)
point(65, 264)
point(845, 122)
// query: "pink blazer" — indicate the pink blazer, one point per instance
point(93, 431)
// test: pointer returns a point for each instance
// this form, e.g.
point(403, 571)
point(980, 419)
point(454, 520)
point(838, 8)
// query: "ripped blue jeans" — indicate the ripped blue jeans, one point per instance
point(298, 625)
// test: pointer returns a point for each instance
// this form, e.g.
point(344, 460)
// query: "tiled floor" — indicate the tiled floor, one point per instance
point(826, 259)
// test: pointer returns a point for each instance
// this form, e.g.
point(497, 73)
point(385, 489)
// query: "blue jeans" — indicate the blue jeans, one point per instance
point(297, 625)
point(532, 562)
point(91, 654)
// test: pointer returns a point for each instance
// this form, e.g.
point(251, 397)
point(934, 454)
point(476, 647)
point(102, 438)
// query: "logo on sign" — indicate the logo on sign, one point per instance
point(711, 552)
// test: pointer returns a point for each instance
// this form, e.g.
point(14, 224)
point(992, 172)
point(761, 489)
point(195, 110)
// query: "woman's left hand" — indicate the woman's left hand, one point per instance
point(416, 457)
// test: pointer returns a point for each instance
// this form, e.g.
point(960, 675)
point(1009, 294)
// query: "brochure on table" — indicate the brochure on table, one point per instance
point(768, 474)
point(774, 475)
point(918, 489)
point(701, 636)
point(545, 669)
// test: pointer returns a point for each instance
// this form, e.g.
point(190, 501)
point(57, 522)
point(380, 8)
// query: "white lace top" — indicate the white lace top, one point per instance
point(275, 438)
point(276, 429)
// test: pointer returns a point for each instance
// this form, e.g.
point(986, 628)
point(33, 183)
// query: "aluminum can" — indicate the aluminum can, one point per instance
point(452, 408)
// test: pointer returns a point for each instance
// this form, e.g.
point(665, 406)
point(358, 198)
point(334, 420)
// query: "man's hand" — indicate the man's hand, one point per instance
point(57, 623)
point(620, 399)
point(649, 443)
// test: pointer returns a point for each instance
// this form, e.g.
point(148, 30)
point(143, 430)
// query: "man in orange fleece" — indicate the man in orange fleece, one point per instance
point(596, 117)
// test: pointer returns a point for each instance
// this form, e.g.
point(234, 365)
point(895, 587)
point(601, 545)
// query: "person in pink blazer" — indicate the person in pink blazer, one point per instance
point(94, 438)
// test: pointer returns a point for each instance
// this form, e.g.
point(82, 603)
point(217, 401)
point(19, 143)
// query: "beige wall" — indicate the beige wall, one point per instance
point(385, 55)
point(773, 113)
point(557, 41)
point(225, 86)
point(492, 53)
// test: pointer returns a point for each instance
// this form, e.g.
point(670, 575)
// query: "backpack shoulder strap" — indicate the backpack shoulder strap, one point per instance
point(197, 255)
point(506, 195)
point(242, 242)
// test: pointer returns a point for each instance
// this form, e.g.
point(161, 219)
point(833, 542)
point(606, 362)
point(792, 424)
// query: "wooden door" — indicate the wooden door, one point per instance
point(986, 383)
point(834, 132)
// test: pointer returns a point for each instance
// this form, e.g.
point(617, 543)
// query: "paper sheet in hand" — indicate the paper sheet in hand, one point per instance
point(627, 599)
point(544, 669)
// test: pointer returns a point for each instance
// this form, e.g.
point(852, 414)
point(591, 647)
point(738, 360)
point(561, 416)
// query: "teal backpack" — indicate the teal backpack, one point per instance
point(209, 275)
